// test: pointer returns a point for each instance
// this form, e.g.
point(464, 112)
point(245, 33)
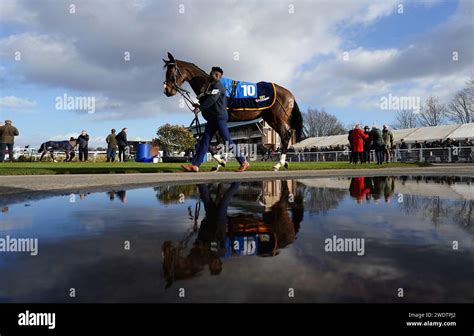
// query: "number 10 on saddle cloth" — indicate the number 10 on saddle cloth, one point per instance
point(247, 96)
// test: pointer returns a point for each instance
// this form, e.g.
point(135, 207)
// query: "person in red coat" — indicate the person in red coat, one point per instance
point(358, 189)
point(358, 137)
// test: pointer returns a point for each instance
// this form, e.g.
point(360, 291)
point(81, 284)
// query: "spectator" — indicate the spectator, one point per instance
point(122, 143)
point(349, 137)
point(388, 140)
point(83, 142)
point(358, 137)
point(467, 142)
point(403, 152)
point(378, 143)
point(7, 139)
point(367, 145)
point(111, 146)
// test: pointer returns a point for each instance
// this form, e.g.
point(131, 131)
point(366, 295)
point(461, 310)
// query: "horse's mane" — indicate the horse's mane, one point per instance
point(194, 65)
point(187, 63)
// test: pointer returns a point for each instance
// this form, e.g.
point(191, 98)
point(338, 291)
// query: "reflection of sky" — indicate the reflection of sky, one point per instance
point(81, 246)
point(57, 217)
point(387, 221)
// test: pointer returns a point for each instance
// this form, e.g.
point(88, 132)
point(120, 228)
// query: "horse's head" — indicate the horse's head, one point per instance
point(175, 77)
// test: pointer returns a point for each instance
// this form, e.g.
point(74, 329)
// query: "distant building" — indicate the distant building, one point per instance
point(255, 131)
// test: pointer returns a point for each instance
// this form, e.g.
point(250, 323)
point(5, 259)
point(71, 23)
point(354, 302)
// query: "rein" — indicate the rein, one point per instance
point(187, 99)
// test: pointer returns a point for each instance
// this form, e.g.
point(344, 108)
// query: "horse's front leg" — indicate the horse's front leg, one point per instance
point(216, 156)
point(281, 163)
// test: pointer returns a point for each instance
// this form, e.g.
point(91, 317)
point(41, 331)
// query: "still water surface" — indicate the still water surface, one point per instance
point(266, 241)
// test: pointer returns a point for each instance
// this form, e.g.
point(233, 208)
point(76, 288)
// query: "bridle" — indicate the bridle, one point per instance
point(185, 94)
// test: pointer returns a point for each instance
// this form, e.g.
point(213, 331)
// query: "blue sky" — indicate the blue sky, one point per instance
point(81, 54)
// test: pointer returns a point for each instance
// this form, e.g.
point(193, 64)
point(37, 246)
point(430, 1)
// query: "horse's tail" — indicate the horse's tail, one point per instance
point(296, 122)
point(41, 149)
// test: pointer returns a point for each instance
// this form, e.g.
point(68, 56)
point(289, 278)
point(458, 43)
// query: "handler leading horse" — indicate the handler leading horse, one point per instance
point(284, 116)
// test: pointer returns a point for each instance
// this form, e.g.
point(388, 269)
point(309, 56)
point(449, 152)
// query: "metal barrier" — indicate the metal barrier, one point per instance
point(435, 155)
point(429, 155)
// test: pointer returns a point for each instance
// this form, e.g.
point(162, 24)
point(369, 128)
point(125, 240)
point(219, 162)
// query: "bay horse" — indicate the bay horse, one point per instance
point(284, 116)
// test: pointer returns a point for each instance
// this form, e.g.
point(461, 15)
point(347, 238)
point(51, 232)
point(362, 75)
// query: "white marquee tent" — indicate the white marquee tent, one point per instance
point(410, 135)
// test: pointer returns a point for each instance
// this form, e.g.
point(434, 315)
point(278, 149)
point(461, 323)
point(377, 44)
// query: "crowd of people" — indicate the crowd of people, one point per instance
point(114, 141)
point(443, 143)
point(362, 141)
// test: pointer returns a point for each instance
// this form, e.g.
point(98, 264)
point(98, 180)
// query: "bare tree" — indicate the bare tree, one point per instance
point(405, 119)
point(432, 113)
point(320, 123)
point(461, 107)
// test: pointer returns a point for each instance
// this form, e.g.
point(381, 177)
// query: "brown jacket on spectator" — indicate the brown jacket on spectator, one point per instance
point(111, 140)
point(8, 134)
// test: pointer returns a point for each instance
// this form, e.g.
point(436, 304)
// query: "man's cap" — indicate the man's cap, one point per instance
point(218, 69)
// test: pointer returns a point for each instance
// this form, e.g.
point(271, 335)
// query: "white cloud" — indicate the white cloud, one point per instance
point(84, 51)
point(12, 102)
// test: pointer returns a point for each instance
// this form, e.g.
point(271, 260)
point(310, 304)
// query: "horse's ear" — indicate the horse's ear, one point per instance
point(171, 57)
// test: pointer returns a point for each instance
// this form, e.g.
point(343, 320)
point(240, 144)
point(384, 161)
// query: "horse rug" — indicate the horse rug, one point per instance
point(247, 96)
point(57, 145)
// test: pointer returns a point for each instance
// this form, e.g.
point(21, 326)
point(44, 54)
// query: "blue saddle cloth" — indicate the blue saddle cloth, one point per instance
point(248, 96)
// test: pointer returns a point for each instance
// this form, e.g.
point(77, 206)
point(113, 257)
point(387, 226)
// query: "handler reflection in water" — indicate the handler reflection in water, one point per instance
point(209, 245)
point(244, 234)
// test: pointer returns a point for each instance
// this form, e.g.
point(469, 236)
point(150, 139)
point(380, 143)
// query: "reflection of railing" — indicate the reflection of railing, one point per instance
point(430, 155)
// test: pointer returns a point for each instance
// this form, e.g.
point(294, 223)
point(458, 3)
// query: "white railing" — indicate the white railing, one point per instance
point(430, 155)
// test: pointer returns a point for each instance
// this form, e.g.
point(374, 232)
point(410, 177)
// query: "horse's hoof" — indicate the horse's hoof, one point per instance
point(275, 169)
point(214, 169)
point(286, 165)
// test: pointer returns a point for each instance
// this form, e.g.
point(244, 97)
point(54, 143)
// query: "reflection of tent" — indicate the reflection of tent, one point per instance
point(420, 134)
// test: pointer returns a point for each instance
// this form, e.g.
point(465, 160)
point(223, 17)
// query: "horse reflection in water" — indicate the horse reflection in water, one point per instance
point(221, 236)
